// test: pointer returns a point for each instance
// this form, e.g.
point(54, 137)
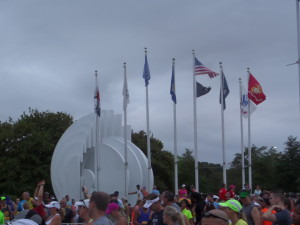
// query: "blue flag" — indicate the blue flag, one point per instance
point(225, 90)
point(172, 89)
point(146, 73)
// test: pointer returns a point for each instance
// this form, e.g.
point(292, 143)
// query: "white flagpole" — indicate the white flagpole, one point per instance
point(222, 117)
point(125, 89)
point(97, 168)
point(298, 37)
point(195, 127)
point(249, 141)
point(242, 135)
point(175, 137)
point(148, 134)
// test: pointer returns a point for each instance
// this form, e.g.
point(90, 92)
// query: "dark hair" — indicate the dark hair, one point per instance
point(152, 196)
point(169, 195)
point(279, 194)
point(101, 200)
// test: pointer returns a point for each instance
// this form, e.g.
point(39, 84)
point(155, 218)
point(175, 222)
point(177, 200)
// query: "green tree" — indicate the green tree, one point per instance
point(26, 149)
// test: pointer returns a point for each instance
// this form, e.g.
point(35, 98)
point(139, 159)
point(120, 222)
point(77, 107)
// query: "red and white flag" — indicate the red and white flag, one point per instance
point(255, 92)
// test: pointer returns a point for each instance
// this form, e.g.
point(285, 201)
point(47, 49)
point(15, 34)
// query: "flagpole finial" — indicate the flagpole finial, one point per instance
point(145, 50)
point(173, 60)
point(193, 51)
point(96, 73)
point(240, 79)
point(220, 63)
point(124, 64)
point(248, 69)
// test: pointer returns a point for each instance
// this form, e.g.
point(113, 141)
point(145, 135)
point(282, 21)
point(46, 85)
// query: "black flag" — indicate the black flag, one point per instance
point(201, 90)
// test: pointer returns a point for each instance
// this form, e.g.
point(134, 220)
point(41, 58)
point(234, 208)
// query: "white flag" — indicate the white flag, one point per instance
point(244, 103)
point(125, 91)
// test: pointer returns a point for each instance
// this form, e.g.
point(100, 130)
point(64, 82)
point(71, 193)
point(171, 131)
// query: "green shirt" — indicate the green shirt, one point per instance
point(188, 213)
point(1, 218)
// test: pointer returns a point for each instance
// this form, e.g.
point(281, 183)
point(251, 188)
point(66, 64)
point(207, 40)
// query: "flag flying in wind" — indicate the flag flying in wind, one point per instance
point(125, 91)
point(172, 89)
point(255, 92)
point(146, 73)
point(200, 69)
point(245, 102)
point(201, 90)
point(225, 90)
point(97, 98)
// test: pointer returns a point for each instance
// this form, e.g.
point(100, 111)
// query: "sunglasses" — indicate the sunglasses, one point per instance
point(208, 214)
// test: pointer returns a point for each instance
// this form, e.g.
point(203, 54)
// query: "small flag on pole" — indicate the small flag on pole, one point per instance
point(245, 102)
point(172, 89)
point(125, 90)
point(146, 73)
point(97, 96)
point(225, 90)
point(201, 90)
point(255, 92)
point(200, 69)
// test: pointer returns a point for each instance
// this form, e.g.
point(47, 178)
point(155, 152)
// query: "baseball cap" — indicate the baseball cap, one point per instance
point(183, 185)
point(53, 204)
point(244, 194)
point(150, 202)
point(215, 197)
point(85, 203)
point(3, 198)
point(111, 207)
point(232, 204)
point(231, 186)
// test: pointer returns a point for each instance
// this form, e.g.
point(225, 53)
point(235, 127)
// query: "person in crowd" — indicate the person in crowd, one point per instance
point(210, 205)
point(168, 198)
point(66, 212)
point(144, 191)
point(216, 201)
point(139, 203)
point(142, 215)
point(296, 215)
point(115, 196)
point(69, 203)
point(199, 205)
point(185, 207)
point(26, 198)
point(155, 190)
point(215, 217)
point(138, 192)
point(282, 215)
point(265, 205)
point(193, 189)
point(113, 213)
point(54, 218)
point(182, 192)
point(6, 209)
point(83, 211)
point(126, 206)
point(233, 209)
point(231, 191)
point(97, 208)
point(153, 202)
point(223, 193)
point(172, 217)
point(258, 190)
point(38, 200)
point(249, 209)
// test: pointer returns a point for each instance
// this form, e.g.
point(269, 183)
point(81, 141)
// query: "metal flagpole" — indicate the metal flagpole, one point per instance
point(97, 143)
point(195, 126)
point(148, 134)
point(222, 117)
point(175, 135)
point(126, 96)
point(298, 37)
point(242, 135)
point(249, 140)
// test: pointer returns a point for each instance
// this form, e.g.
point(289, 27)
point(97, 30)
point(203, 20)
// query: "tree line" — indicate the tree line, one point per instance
point(27, 145)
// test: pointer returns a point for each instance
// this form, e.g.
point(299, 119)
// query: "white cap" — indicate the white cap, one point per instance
point(85, 203)
point(215, 196)
point(150, 202)
point(53, 204)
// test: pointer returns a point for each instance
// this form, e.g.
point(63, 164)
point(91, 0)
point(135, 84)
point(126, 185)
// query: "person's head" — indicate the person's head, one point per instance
point(277, 197)
point(232, 208)
point(215, 217)
point(63, 203)
point(264, 202)
point(296, 215)
point(232, 187)
point(210, 198)
point(83, 208)
point(258, 187)
point(98, 204)
point(183, 186)
point(223, 185)
point(153, 203)
point(245, 197)
point(138, 186)
point(25, 195)
point(168, 197)
point(53, 207)
point(172, 216)
point(113, 209)
point(67, 197)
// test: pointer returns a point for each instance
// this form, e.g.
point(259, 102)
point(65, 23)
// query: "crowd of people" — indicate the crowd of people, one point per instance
point(259, 207)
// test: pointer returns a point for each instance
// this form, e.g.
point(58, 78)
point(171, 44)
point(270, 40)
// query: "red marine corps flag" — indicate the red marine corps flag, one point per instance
point(255, 92)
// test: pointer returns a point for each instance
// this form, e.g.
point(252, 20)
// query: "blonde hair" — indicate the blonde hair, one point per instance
point(174, 214)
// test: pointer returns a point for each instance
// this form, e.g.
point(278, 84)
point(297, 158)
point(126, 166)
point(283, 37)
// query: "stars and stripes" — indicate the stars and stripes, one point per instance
point(200, 69)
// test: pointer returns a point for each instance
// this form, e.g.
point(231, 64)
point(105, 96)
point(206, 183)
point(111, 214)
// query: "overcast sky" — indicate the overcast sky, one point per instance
point(50, 50)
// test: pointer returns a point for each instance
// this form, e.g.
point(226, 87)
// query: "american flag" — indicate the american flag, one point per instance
point(200, 69)
point(97, 97)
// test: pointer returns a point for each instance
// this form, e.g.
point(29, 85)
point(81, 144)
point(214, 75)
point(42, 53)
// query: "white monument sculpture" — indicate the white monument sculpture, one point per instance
point(73, 160)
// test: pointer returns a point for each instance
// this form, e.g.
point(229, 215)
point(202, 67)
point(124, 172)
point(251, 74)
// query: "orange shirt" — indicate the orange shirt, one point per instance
point(266, 222)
